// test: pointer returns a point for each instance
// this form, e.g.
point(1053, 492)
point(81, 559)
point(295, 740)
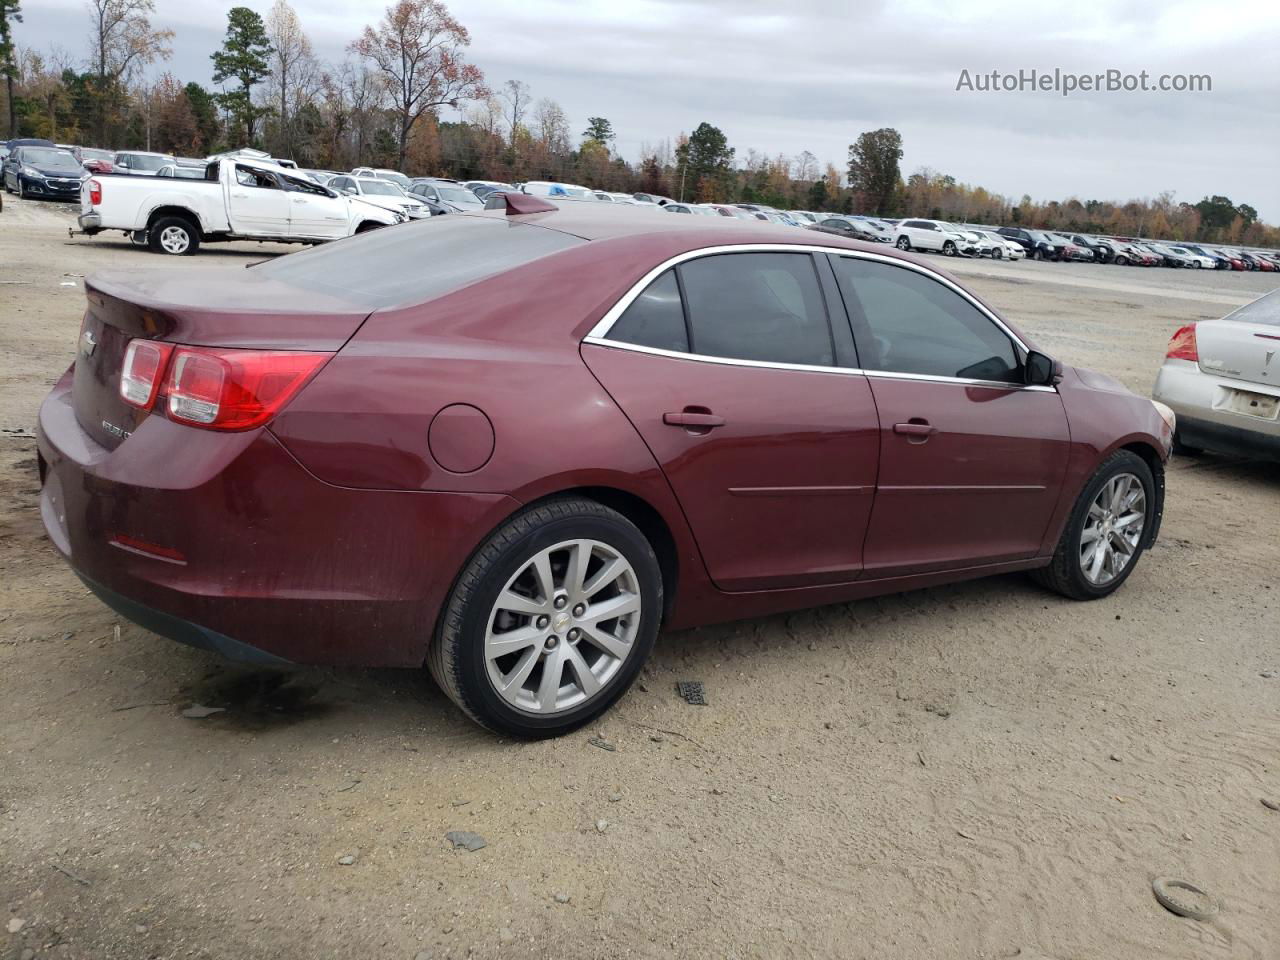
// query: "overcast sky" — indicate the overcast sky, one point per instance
point(811, 74)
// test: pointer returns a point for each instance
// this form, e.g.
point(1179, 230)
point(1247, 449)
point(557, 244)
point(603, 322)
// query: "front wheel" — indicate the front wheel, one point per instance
point(997, 254)
point(903, 243)
point(949, 248)
point(1106, 532)
point(551, 620)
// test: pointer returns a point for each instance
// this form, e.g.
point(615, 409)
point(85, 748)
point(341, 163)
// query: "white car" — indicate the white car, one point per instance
point(1002, 248)
point(381, 173)
point(1222, 379)
point(931, 235)
point(140, 163)
point(1197, 260)
point(248, 200)
point(558, 191)
point(381, 193)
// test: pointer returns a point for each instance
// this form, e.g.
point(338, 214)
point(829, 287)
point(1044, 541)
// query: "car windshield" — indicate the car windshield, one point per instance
point(397, 178)
point(142, 161)
point(382, 188)
point(383, 268)
point(1265, 310)
point(45, 157)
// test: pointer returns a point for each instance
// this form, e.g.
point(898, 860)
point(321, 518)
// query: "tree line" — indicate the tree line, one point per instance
point(383, 106)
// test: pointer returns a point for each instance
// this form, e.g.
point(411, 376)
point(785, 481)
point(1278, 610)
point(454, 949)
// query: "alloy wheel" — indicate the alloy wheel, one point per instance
point(175, 240)
point(562, 627)
point(904, 243)
point(1113, 528)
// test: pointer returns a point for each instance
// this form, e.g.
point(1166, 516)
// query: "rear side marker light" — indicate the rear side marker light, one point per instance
point(235, 389)
point(143, 372)
point(1183, 345)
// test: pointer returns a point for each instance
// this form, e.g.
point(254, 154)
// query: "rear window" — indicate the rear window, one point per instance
point(414, 262)
point(1265, 309)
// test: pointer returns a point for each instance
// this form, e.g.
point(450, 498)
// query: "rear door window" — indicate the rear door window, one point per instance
point(757, 306)
point(655, 318)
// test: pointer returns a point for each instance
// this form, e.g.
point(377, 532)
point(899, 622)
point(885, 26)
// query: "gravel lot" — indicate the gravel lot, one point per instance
point(982, 770)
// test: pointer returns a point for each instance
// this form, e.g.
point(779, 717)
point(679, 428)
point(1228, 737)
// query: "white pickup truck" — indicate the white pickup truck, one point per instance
point(239, 199)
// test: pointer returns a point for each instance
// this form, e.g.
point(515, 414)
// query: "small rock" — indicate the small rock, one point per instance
point(466, 839)
point(446, 929)
point(198, 712)
point(423, 955)
point(1187, 837)
point(195, 846)
point(140, 928)
point(346, 860)
point(562, 898)
point(602, 826)
point(1116, 757)
point(602, 743)
point(826, 725)
point(1271, 804)
point(937, 711)
point(1268, 674)
point(717, 792)
point(506, 935)
point(656, 737)
point(776, 798)
point(615, 797)
point(16, 924)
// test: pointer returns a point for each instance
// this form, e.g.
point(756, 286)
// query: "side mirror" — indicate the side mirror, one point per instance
point(1042, 371)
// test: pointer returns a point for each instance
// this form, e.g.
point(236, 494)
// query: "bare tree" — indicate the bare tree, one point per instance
point(122, 42)
point(515, 94)
point(552, 125)
point(366, 95)
point(417, 48)
point(292, 66)
point(806, 167)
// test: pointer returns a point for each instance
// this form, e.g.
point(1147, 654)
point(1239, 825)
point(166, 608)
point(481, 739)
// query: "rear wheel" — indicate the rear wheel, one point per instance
point(551, 620)
point(1106, 532)
point(174, 236)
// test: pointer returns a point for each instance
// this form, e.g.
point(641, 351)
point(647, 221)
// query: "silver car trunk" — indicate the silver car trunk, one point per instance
point(1244, 345)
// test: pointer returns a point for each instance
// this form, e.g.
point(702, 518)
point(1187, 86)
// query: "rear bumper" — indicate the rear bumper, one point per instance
point(254, 557)
point(1198, 398)
point(90, 222)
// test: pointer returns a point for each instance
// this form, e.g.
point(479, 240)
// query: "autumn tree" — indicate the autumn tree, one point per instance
point(205, 113)
point(123, 41)
point(873, 167)
point(292, 68)
point(244, 59)
point(173, 121)
point(417, 49)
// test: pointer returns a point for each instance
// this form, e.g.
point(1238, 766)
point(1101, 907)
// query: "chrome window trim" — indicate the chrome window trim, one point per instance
point(598, 334)
point(605, 324)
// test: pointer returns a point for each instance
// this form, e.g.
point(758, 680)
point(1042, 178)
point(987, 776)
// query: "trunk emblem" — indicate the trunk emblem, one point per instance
point(88, 343)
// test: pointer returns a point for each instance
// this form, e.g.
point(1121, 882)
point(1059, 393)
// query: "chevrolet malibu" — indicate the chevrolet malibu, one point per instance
point(512, 447)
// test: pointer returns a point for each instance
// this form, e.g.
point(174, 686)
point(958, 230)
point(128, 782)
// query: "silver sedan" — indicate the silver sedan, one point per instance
point(1222, 379)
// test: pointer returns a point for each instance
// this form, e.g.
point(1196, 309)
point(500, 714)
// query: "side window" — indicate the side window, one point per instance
point(248, 177)
point(838, 224)
point(906, 322)
point(655, 318)
point(302, 186)
point(757, 306)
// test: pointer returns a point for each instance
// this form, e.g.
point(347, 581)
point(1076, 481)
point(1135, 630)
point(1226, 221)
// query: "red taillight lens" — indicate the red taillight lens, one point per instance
point(1183, 344)
point(143, 372)
point(235, 389)
point(95, 192)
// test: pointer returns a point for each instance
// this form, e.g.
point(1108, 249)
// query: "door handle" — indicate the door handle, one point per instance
point(694, 419)
point(915, 430)
point(240, 196)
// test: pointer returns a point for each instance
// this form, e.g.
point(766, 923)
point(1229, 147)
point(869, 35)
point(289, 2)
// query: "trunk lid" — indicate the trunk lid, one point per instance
point(175, 306)
point(1244, 345)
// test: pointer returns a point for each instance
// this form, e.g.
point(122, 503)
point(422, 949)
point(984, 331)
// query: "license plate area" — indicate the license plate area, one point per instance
point(1246, 403)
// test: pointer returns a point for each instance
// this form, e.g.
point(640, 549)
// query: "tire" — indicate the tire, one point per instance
point(1197, 264)
point(949, 248)
point(997, 254)
point(174, 236)
point(367, 226)
point(1121, 261)
point(22, 191)
point(463, 663)
point(903, 244)
point(1066, 574)
point(1038, 254)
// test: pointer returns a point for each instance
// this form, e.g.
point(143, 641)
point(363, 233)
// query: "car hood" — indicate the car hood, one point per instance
point(52, 171)
point(386, 203)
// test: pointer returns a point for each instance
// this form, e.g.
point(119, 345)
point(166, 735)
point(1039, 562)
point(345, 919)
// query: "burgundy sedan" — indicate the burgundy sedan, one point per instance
point(514, 446)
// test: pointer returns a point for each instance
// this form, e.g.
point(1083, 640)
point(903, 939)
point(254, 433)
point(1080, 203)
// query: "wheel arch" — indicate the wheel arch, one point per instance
point(1155, 462)
point(183, 213)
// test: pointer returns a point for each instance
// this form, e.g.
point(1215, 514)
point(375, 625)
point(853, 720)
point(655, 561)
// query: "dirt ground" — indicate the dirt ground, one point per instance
point(983, 770)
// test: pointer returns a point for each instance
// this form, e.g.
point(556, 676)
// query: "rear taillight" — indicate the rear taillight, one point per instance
point(234, 389)
point(95, 192)
point(1183, 345)
point(143, 372)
